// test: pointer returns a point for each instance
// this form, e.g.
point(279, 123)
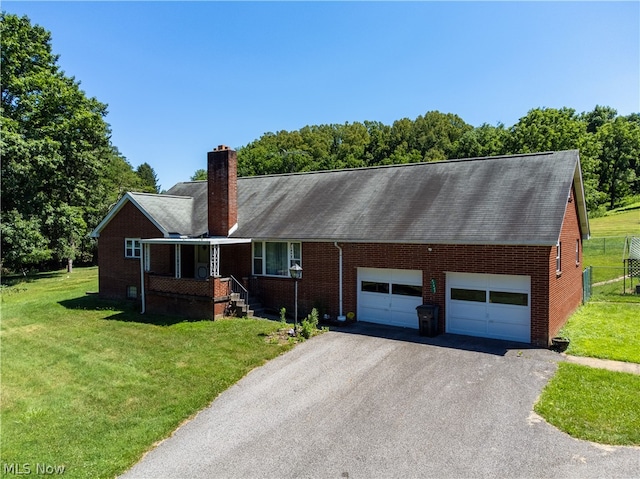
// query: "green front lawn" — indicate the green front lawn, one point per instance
point(91, 385)
point(593, 404)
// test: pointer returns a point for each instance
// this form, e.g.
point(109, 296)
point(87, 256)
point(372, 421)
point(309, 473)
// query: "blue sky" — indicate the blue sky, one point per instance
point(183, 77)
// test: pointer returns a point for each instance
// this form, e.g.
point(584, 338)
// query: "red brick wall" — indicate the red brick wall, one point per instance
point(319, 286)
point(162, 259)
point(190, 286)
point(566, 287)
point(193, 307)
point(115, 272)
point(185, 297)
point(235, 259)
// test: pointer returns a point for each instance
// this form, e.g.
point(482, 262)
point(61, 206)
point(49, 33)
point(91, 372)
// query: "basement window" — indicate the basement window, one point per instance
point(132, 248)
point(274, 258)
point(132, 292)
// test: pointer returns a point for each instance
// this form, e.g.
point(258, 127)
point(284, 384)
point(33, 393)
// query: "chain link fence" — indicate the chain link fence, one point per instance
point(619, 284)
point(607, 276)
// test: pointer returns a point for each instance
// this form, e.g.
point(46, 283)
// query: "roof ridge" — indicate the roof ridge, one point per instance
point(160, 195)
point(400, 165)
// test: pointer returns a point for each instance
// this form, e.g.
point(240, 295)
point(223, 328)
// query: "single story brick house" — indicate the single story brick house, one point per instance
point(495, 242)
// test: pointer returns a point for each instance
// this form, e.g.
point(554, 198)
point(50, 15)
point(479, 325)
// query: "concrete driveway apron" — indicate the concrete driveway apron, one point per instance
point(384, 402)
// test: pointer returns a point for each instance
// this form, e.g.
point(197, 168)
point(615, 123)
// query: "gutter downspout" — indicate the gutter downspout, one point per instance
point(142, 278)
point(341, 317)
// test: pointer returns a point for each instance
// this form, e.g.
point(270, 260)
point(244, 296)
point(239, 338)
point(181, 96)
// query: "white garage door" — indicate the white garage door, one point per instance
point(389, 296)
point(489, 305)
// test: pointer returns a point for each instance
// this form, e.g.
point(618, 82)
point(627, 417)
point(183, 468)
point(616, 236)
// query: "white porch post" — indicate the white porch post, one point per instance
point(214, 260)
point(178, 261)
point(147, 257)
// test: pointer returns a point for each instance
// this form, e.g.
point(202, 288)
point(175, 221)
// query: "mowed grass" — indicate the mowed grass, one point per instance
point(92, 385)
point(621, 223)
point(593, 404)
point(605, 250)
point(612, 292)
point(590, 403)
point(605, 331)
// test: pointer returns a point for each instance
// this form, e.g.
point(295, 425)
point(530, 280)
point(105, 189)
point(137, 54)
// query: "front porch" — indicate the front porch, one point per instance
point(182, 276)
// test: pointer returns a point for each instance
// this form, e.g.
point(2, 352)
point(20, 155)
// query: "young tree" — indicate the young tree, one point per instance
point(148, 178)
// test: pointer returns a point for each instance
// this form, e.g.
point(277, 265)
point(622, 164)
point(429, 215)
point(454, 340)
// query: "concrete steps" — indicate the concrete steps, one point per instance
point(238, 306)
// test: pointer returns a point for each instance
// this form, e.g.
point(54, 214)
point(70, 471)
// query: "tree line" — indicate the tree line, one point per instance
point(61, 173)
point(609, 146)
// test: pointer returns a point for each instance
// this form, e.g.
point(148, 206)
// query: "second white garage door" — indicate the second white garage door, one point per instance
point(389, 296)
point(489, 305)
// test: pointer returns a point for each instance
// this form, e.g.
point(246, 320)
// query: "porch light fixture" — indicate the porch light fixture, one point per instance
point(296, 273)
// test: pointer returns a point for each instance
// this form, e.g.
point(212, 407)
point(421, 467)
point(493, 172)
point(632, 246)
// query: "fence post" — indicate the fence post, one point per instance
point(586, 284)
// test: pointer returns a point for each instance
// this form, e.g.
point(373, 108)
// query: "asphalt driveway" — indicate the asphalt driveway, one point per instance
point(383, 402)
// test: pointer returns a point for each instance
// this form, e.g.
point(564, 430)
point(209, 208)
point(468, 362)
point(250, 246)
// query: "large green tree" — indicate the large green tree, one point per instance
point(598, 117)
point(618, 142)
point(485, 140)
point(54, 146)
point(547, 129)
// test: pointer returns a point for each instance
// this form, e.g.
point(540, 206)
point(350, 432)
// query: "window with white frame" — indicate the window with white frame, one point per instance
point(132, 248)
point(558, 256)
point(258, 257)
point(295, 256)
point(274, 258)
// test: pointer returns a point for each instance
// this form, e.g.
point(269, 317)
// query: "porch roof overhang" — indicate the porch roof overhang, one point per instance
point(217, 240)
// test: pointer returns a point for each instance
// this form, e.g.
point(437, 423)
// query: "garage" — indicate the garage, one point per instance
point(489, 305)
point(389, 296)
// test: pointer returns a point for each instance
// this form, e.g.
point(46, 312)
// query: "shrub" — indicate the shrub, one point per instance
point(309, 324)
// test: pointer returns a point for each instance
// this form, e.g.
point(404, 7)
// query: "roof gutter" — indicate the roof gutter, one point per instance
point(341, 317)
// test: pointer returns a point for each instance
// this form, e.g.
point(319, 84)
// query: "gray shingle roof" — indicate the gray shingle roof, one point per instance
point(172, 213)
point(518, 199)
point(501, 200)
point(198, 215)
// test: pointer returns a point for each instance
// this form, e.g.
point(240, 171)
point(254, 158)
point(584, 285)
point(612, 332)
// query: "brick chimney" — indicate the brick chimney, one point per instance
point(222, 191)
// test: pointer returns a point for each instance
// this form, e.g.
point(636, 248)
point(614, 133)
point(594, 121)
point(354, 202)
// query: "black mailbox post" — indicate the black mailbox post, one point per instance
point(428, 319)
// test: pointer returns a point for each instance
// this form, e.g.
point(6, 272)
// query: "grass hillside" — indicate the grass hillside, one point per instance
point(605, 250)
point(617, 223)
